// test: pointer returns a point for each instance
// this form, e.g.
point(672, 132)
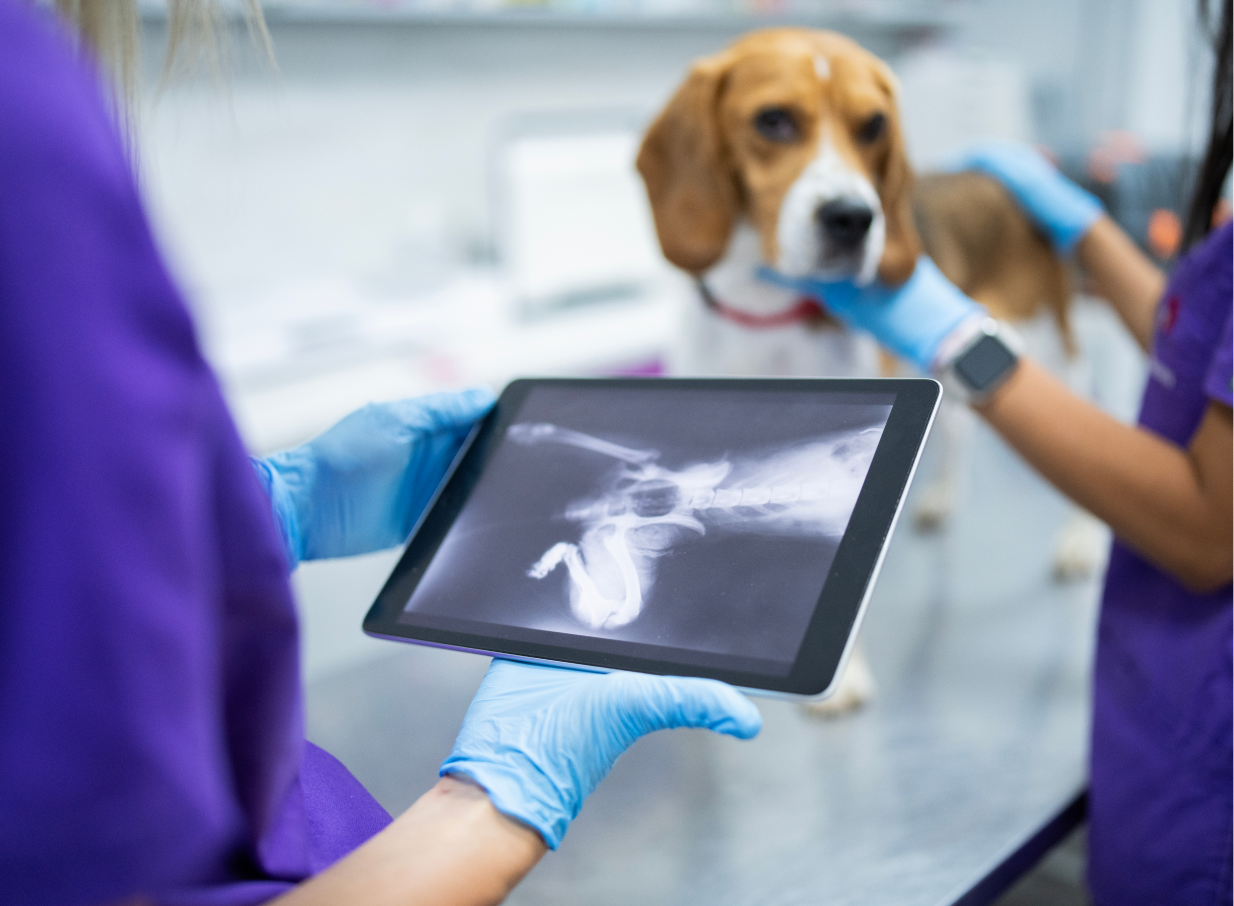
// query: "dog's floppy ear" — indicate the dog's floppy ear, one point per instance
point(684, 165)
point(895, 189)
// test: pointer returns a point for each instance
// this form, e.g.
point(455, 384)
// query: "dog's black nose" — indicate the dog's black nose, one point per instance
point(845, 222)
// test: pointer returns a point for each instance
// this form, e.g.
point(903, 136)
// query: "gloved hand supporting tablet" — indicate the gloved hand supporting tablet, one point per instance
point(361, 485)
point(539, 739)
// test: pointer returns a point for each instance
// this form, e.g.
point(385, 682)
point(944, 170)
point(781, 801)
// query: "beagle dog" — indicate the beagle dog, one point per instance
point(785, 150)
point(782, 150)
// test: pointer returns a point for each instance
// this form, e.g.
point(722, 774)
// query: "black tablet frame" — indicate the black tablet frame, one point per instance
point(841, 602)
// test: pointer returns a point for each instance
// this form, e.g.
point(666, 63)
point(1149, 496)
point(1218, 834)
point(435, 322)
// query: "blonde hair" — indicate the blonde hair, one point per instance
point(196, 29)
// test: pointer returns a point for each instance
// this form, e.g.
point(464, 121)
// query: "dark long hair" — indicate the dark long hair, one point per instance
point(1216, 165)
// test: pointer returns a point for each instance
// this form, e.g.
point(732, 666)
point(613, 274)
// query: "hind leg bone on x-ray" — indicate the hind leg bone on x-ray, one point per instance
point(801, 490)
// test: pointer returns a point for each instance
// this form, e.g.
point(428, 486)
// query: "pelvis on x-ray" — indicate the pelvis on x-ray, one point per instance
point(642, 510)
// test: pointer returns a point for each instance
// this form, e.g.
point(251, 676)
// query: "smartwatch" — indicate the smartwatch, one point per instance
point(981, 356)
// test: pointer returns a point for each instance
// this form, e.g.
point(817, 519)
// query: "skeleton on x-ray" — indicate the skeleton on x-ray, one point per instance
point(805, 489)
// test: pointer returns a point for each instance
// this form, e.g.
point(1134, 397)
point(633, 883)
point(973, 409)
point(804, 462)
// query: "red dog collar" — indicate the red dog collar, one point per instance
point(805, 309)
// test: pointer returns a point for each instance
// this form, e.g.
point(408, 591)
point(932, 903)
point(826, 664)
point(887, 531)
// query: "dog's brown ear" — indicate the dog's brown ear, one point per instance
point(895, 190)
point(693, 194)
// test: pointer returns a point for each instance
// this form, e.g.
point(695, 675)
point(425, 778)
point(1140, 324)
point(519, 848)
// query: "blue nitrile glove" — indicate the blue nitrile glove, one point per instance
point(911, 320)
point(1057, 205)
point(361, 485)
point(540, 739)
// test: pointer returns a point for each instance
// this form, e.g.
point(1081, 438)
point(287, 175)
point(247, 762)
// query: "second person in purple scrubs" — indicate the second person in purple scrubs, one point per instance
point(1161, 805)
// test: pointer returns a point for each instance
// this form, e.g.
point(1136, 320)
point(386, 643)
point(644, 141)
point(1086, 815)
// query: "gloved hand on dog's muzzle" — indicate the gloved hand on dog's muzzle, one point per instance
point(1063, 210)
point(361, 485)
point(911, 320)
point(540, 739)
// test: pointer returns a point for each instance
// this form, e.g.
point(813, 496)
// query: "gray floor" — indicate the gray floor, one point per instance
point(1057, 881)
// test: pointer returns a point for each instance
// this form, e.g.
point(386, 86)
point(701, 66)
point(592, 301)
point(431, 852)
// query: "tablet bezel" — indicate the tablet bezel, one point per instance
point(842, 600)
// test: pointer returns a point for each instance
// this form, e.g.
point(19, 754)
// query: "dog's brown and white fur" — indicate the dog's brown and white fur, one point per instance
point(785, 150)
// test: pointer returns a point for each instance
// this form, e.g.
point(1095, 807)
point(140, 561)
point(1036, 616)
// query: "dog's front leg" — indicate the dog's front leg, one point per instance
point(938, 497)
point(1081, 548)
point(856, 688)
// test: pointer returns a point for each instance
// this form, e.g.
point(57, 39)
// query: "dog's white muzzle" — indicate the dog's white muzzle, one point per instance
point(831, 223)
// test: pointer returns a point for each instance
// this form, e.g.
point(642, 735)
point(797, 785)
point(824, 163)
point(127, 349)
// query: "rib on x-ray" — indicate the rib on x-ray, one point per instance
point(642, 509)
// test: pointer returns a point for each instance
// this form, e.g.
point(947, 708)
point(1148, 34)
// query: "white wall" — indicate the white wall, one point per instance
point(1098, 65)
point(1168, 93)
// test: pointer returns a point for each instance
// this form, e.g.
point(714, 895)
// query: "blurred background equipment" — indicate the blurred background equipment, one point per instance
point(1146, 192)
point(572, 220)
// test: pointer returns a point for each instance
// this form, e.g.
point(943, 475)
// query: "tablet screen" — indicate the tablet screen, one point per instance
point(697, 520)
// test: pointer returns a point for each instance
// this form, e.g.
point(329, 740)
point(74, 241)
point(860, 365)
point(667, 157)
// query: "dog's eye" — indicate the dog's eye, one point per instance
point(872, 129)
point(777, 125)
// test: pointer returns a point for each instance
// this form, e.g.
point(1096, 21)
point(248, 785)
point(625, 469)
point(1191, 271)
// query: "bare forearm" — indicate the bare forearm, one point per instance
point(451, 847)
point(1171, 505)
point(1123, 275)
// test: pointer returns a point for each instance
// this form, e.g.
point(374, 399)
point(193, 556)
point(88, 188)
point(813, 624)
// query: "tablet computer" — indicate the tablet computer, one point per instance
point(721, 528)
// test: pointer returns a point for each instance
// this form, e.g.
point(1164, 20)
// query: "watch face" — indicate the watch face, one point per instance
point(982, 366)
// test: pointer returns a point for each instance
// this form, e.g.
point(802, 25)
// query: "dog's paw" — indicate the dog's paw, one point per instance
point(1081, 549)
point(933, 508)
point(857, 688)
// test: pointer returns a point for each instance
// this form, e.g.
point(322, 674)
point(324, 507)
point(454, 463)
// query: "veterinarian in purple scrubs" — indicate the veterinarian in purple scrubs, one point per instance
point(1160, 800)
point(151, 740)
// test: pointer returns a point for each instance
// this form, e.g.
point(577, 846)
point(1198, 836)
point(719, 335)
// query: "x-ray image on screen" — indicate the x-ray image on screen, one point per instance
point(645, 510)
point(680, 520)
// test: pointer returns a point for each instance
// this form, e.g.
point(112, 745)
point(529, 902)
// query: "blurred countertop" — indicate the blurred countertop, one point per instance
point(292, 364)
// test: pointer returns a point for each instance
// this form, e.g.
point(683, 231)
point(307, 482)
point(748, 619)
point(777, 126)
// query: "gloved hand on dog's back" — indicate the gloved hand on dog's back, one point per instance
point(361, 485)
point(540, 739)
point(912, 320)
point(1062, 210)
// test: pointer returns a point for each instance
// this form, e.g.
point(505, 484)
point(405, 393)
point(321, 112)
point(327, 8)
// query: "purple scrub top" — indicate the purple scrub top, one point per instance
point(1160, 795)
point(151, 739)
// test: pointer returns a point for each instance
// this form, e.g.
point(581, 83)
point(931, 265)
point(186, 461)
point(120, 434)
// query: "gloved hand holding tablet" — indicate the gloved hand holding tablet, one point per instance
point(718, 528)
